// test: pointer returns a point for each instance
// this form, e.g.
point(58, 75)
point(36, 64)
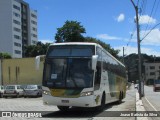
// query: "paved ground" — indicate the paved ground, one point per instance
point(151, 101)
point(36, 104)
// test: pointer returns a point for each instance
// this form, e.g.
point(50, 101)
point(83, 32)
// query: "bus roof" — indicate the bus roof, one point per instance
point(74, 43)
point(86, 43)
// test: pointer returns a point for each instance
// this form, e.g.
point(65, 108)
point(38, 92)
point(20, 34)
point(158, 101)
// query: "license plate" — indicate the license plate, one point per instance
point(65, 101)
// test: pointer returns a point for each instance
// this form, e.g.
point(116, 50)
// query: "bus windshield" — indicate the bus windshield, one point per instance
point(68, 73)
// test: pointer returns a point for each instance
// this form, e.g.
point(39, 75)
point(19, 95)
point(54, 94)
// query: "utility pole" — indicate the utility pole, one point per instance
point(123, 55)
point(139, 50)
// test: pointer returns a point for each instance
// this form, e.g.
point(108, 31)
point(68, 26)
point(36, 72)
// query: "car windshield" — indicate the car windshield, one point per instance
point(31, 87)
point(10, 87)
point(68, 73)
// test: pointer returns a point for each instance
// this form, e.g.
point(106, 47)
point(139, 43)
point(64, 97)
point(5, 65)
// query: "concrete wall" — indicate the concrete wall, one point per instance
point(21, 71)
point(148, 76)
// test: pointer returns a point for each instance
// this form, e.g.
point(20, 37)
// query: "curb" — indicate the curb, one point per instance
point(139, 107)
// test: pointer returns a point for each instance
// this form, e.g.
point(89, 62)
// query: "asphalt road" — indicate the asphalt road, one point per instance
point(51, 112)
point(151, 101)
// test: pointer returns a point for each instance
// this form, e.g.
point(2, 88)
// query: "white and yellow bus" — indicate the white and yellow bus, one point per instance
point(82, 75)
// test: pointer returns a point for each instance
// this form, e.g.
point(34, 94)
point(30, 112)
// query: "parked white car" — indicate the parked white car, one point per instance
point(33, 90)
point(1, 91)
point(13, 91)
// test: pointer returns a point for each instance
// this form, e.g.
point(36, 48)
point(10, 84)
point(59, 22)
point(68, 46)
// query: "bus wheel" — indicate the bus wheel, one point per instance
point(63, 108)
point(101, 107)
point(120, 97)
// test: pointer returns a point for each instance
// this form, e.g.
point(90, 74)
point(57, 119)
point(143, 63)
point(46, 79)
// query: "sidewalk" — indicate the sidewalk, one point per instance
point(140, 107)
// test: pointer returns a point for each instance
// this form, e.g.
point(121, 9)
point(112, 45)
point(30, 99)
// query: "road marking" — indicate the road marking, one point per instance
point(151, 104)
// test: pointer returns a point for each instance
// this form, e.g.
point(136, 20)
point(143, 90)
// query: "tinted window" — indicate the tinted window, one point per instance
point(39, 87)
point(70, 50)
point(152, 67)
point(19, 87)
point(157, 81)
point(98, 71)
point(31, 87)
point(68, 73)
point(10, 87)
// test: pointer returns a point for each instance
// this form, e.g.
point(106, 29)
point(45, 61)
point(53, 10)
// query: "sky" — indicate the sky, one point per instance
point(111, 21)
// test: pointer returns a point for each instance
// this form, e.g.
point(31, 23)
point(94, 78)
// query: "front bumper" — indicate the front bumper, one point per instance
point(86, 101)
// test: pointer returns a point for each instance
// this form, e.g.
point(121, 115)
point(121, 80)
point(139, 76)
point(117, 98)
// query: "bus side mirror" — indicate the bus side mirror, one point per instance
point(38, 59)
point(94, 61)
point(37, 62)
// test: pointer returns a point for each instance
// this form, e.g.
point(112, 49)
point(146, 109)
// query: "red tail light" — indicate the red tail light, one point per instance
point(15, 91)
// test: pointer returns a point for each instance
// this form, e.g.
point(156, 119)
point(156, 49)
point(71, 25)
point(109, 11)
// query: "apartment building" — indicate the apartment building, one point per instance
point(18, 27)
point(152, 72)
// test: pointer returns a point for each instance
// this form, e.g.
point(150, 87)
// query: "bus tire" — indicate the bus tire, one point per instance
point(1, 95)
point(103, 100)
point(63, 108)
point(120, 97)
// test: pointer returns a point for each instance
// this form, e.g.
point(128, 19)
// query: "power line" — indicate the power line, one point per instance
point(150, 15)
point(143, 7)
point(149, 32)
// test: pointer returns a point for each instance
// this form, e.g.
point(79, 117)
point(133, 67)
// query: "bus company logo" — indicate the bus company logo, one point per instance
point(6, 114)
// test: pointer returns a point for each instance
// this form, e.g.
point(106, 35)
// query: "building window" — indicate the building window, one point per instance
point(34, 42)
point(16, 7)
point(17, 44)
point(17, 52)
point(17, 37)
point(152, 67)
point(17, 29)
point(152, 73)
point(16, 14)
point(34, 35)
point(34, 29)
point(33, 22)
point(16, 22)
point(34, 16)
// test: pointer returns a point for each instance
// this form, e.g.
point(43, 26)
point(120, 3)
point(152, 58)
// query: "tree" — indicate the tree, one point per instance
point(34, 50)
point(70, 32)
point(5, 55)
point(107, 47)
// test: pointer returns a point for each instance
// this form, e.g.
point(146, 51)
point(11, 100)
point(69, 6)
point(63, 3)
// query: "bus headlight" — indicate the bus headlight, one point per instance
point(46, 92)
point(87, 93)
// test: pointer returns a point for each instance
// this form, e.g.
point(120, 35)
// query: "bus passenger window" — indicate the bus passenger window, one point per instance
point(97, 78)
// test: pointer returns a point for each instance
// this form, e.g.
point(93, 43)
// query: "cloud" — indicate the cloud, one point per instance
point(130, 50)
point(46, 41)
point(145, 19)
point(107, 37)
point(120, 18)
point(153, 37)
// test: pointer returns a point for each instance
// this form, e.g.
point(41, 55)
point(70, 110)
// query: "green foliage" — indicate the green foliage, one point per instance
point(34, 50)
point(107, 47)
point(5, 55)
point(70, 32)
